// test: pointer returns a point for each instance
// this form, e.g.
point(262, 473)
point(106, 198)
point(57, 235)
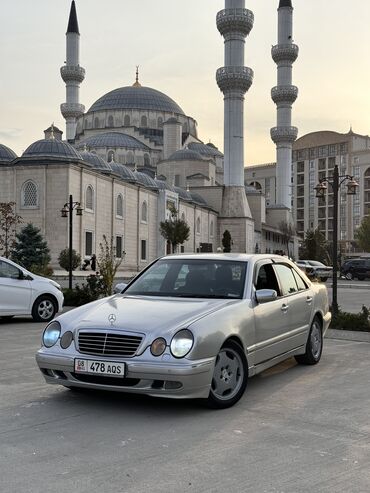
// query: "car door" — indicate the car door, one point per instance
point(271, 318)
point(298, 300)
point(15, 291)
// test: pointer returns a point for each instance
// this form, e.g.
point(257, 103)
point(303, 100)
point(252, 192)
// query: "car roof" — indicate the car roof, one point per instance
point(232, 257)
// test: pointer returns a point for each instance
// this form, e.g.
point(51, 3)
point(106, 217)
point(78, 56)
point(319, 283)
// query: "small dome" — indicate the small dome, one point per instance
point(184, 194)
point(95, 161)
point(136, 98)
point(145, 180)
point(123, 172)
point(205, 149)
point(163, 185)
point(6, 154)
point(198, 199)
point(112, 139)
point(185, 155)
point(52, 148)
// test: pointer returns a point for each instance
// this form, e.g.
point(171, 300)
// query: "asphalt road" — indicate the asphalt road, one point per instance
point(352, 299)
point(296, 430)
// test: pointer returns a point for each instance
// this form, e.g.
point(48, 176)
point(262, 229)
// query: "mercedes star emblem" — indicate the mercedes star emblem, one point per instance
point(112, 318)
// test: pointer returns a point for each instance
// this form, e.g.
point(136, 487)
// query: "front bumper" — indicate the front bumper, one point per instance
point(182, 379)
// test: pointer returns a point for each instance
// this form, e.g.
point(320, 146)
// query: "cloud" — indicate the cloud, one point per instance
point(10, 133)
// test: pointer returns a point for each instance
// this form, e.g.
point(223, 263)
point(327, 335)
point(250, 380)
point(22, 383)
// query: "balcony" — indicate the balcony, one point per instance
point(72, 110)
point(285, 53)
point(239, 21)
point(284, 94)
point(284, 134)
point(234, 79)
point(72, 73)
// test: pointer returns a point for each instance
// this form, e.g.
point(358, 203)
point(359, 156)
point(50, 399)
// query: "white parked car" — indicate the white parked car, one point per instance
point(24, 293)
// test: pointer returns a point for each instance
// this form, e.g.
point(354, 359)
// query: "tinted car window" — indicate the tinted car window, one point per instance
point(300, 282)
point(9, 271)
point(286, 277)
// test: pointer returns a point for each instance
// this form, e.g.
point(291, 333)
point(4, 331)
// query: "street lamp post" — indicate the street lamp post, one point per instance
point(68, 210)
point(336, 182)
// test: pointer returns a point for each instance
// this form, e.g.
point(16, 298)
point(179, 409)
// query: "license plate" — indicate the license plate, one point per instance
point(100, 367)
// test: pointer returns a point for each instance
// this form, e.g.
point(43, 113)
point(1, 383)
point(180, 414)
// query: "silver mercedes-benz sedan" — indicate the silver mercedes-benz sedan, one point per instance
point(190, 326)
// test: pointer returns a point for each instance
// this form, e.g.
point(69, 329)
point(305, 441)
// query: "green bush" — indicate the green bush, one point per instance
point(86, 293)
point(63, 259)
point(352, 321)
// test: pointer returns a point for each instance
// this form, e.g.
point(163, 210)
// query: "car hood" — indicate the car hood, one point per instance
point(148, 315)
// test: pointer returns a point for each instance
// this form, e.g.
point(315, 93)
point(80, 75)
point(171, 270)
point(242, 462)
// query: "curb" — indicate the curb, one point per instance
point(352, 286)
point(348, 335)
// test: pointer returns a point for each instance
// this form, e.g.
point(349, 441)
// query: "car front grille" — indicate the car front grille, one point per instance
point(108, 343)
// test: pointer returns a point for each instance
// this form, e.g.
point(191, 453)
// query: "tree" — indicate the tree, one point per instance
point(315, 247)
point(63, 259)
point(227, 241)
point(287, 234)
point(174, 230)
point(362, 234)
point(108, 264)
point(31, 250)
point(8, 225)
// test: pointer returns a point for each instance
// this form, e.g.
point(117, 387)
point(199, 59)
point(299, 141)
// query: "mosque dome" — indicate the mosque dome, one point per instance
point(95, 161)
point(185, 155)
point(208, 150)
point(112, 140)
point(123, 171)
point(6, 154)
point(52, 148)
point(145, 180)
point(136, 98)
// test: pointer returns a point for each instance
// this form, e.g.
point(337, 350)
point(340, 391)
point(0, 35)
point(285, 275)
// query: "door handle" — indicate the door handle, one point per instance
point(284, 308)
point(309, 299)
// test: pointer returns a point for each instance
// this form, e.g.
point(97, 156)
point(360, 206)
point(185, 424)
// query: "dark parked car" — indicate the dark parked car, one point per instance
point(356, 268)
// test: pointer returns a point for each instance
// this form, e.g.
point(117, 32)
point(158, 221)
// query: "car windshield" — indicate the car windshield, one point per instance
point(191, 278)
point(316, 264)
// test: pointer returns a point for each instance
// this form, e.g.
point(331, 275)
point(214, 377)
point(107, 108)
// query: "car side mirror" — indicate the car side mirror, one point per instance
point(119, 287)
point(266, 295)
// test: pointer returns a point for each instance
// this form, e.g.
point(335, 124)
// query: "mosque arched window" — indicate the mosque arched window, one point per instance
point(30, 195)
point(198, 226)
point(185, 127)
point(146, 160)
point(96, 122)
point(127, 121)
point(144, 212)
point(183, 216)
point(130, 158)
point(144, 121)
point(256, 185)
point(119, 206)
point(111, 156)
point(89, 199)
point(211, 229)
point(110, 121)
point(160, 122)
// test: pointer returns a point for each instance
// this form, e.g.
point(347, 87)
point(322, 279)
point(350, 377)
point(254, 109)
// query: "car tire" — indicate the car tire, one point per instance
point(349, 276)
point(230, 376)
point(314, 345)
point(44, 309)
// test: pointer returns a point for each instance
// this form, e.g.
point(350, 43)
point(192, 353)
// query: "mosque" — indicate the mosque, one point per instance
point(136, 153)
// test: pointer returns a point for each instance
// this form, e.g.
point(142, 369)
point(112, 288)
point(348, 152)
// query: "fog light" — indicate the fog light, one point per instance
point(66, 340)
point(158, 347)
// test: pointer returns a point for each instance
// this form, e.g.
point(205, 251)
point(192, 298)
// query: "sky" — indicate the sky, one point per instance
point(178, 48)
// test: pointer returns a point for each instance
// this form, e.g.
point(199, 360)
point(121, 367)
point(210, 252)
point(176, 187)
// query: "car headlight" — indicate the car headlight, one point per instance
point(158, 347)
point(51, 334)
point(181, 343)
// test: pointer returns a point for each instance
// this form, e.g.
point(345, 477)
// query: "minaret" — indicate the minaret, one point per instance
point(284, 95)
point(73, 75)
point(234, 79)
